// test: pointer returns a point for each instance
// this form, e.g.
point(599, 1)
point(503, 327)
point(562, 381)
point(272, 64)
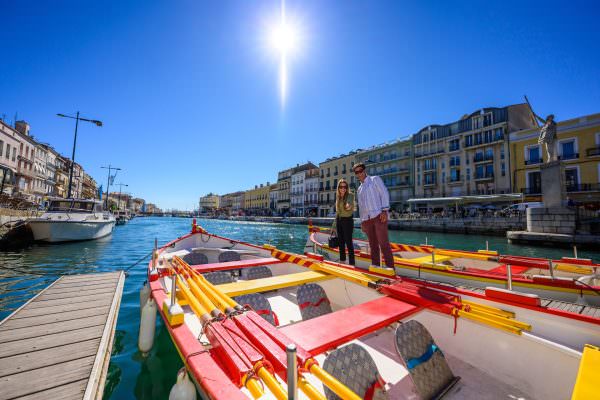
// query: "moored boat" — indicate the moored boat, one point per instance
point(252, 321)
point(69, 220)
point(567, 279)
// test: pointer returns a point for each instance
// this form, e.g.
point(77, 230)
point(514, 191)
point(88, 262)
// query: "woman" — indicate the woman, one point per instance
point(344, 207)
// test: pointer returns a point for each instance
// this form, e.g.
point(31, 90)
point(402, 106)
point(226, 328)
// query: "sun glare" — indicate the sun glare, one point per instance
point(284, 40)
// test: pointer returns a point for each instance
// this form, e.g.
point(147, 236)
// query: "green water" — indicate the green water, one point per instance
point(131, 375)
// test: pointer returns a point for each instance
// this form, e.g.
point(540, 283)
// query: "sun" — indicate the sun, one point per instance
point(284, 39)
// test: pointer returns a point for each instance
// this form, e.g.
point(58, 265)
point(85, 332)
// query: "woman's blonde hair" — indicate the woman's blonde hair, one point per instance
point(339, 198)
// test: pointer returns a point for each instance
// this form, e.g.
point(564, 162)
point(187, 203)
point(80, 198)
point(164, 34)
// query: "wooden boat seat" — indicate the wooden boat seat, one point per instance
point(273, 283)
point(331, 330)
point(425, 362)
point(424, 260)
point(252, 262)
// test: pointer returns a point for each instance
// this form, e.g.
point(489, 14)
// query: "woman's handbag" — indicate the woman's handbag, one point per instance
point(333, 241)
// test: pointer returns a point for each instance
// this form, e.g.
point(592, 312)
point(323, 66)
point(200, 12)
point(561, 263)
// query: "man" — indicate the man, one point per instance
point(373, 207)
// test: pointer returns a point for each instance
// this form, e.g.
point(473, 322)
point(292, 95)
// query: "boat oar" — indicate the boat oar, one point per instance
point(328, 380)
point(206, 289)
point(201, 310)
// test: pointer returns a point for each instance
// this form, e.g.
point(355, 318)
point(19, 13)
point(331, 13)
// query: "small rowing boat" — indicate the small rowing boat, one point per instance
point(256, 322)
point(567, 279)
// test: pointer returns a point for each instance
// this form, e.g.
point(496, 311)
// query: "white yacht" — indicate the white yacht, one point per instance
point(72, 219)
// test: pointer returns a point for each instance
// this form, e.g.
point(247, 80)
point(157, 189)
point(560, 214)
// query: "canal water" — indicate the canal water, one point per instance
point(24, 273)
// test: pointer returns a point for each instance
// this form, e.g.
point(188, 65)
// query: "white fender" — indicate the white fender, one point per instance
point(144, 295)
point(183, 389)
point(147, 326)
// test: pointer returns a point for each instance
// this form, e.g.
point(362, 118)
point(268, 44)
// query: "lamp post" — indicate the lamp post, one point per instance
point(77, 118)
point(120, 185)
point(109, 168)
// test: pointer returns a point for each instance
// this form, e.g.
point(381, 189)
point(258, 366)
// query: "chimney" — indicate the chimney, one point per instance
point(22, 127)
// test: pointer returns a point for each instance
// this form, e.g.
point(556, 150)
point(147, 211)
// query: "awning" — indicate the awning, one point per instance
point(487, 198)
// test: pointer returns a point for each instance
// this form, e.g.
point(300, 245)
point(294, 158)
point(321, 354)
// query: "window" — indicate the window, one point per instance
point(453, 145)
point(468, 174)
point(2, 146)
point(468, 140)
point(454, 175)
point(532, 155)
point(503, 169)
point(487, 136)
point(568, 150)
point(489, 170)
point(502, 153)
point(14, 157)
point(478, 138)
point(487, 119)
point(572, 179)
point(7, 150)
point(478, 156)
point(489, 154)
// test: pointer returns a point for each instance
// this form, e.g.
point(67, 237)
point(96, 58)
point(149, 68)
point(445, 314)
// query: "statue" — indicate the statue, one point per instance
point(548, 136)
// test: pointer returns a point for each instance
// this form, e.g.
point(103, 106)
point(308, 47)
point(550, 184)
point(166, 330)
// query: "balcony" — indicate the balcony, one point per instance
point(430, 183)
point(311, 203)
point(484, 177)
point(482, 158)
point(593, 151)
point(429, 168)
point(429, 153)
point(583, 187)
point(457, 179)
point(536, 190)
point(571, 156)
point(534, 161)
point(326, 202)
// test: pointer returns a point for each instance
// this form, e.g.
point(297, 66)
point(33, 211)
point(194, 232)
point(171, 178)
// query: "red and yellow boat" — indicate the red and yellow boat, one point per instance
point(256, 322)
point(567, 279)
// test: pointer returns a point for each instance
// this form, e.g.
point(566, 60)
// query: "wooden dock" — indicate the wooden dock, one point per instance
point(58, 344)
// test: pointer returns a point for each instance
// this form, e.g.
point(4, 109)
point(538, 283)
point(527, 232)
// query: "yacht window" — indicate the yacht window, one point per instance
point(60, 206)
point(83, 206)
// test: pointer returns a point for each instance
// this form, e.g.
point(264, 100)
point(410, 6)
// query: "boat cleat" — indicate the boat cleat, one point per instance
point(382, 270)
point(173, 312)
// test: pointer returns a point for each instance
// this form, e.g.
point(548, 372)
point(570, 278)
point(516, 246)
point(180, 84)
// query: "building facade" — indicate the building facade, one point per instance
point(311, 192)
point(331, 171)
point(209, 203)
point(393, 162)
point(256, 201)
point(298, 188)
point(88, 187)
point(468, 156)
point(25, 171)
point(284, 179)
point(9, 144)
point(577, 146)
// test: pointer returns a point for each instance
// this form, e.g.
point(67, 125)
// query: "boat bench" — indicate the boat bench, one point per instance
point(328, 331)
point(273, 283)
point(251, 262)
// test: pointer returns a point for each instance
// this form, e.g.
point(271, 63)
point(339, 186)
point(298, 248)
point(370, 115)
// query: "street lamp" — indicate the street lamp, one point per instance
point(77, 119)
point(120, 185)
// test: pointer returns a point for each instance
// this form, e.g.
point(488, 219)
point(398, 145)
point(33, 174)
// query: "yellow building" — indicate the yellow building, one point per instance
point(209, 203)
point(332, 170)
point(256, 201)
point(578, 146)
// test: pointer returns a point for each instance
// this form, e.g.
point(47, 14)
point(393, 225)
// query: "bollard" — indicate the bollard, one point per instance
point(508, 277)
point(292, 371)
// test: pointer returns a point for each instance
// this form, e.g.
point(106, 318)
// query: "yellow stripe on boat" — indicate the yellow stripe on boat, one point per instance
point(420, 261)
point(273, 283)
point(489, 309)
point(488, 252)
point(587, 385)
point(575, 269)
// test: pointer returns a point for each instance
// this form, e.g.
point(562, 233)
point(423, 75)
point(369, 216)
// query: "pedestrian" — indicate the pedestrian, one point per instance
point(344, 207)
point(373, 207)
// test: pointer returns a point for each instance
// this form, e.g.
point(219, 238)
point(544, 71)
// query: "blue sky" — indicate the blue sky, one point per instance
point(188, 91)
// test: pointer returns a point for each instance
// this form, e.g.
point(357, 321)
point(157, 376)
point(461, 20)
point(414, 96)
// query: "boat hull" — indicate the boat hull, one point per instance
point(568, 294)
point(69, 231)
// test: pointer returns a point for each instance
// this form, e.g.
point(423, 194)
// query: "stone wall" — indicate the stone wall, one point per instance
point(551, 220)
point(474, 225)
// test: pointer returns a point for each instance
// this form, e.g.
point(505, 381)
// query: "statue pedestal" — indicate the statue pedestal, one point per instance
point(553, 188)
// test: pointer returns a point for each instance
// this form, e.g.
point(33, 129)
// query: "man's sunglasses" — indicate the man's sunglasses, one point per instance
point(356, 172)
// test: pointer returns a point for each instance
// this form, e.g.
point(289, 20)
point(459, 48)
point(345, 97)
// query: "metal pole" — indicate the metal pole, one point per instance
point(108, 186)
point(292, 371)
point(551, 268)
point(574, 249)
point(433, 258)
point(508, 277)
point(487, 247)
point(154, 254)
point(425, 240)
point(73, 156)
point(173, 290)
